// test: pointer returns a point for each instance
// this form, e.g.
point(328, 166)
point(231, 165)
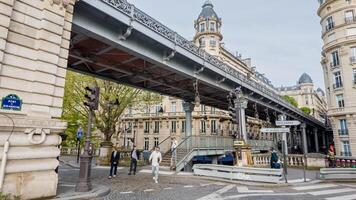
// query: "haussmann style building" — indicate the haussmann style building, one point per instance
point(339, 65)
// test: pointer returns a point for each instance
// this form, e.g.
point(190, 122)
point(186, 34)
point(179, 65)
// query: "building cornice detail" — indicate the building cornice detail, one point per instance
point(63, 3)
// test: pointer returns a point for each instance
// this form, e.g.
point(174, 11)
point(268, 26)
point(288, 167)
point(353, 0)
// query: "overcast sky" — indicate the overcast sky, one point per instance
point(281, 36)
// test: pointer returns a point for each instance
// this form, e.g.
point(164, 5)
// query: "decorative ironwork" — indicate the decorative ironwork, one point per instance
point(146, 20)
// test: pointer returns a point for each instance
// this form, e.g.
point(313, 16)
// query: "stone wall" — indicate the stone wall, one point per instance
point(34, 43)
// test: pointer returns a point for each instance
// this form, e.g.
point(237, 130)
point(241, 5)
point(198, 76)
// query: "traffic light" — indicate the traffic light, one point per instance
point(231, 108)
point(92, 98)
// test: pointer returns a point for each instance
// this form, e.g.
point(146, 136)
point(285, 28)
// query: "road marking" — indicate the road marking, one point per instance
point(244, 189)
point(129, 192)
point(206, 184)
point(312, 187)
point(216, 195)
point(345, 197)
point(236, 197)
point(149, 190)
point(189, 186)
point(297, 180)
point(160, 172)
point(327, 192)
point(168, 188)
point(225, 189)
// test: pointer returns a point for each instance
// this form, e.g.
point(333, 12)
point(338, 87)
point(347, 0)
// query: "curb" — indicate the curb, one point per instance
point(99, 191)
point(69, 164)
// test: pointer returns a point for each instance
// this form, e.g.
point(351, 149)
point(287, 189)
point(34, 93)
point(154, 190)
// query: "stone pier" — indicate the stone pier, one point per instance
point(34, 43)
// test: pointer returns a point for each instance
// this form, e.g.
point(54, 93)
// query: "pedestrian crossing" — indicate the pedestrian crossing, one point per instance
point(328, 191)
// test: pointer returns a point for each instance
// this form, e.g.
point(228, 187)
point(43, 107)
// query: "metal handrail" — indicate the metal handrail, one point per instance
point(161, 142)
point(179, 144)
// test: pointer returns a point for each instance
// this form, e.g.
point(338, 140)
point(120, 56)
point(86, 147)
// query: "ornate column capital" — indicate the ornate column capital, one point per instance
point(188, 106)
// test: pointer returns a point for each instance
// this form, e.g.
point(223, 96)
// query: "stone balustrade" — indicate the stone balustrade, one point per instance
point(294, 160)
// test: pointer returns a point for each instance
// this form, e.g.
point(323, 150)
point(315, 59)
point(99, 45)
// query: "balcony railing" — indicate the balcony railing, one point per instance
point(347, 153)
point(337, 85)
point(343, 132)
point(329, 26)
point(349, 20)
point(334, 64)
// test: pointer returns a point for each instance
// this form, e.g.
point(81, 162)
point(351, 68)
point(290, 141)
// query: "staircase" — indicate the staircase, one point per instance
point(167, 157)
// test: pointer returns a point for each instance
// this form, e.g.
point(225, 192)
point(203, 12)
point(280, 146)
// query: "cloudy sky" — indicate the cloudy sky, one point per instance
point(281, 36)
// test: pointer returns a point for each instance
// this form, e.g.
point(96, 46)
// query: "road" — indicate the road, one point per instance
point(186, 187)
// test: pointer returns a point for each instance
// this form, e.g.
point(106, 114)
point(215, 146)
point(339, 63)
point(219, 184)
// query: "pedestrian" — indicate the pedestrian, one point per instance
point(331, 157)
point(155, 159)
point(274, 160)
point(135, 155)
point(114, 161)
point(174, 150)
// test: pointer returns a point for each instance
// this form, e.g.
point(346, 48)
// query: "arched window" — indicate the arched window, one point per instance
point(202, 42)
point(212, 26)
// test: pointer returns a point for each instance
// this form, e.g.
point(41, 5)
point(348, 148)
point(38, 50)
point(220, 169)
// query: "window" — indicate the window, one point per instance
point(129, 127)
point(349, 16)
point(202, 108)
point(130, 110)
point(345, 148)
point(354, 76)
point(337, 80)
point(212, 26)
point(340, 101)
point(202, 27)
point(174, 107)
point(202, 127)
point(157, 108)
point(156, 128)
point(350, 31)
point(306, 99)
point(183, 126)
point(173, 126)
point(212, 42)
point(353, 54)
point(214, 130)
point(147, 127)
point(329, 23)
point(156, 141)
point(213, 110)
point(147, 143)
point(343, 127)
point(202, 42)
point(334, 57)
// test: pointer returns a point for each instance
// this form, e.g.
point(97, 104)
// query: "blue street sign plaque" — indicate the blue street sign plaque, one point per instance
point(79, 133)
point(11, 102)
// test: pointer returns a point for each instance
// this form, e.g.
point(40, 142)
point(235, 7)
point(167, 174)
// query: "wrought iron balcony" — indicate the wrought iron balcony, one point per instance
point(334, 64)
point(353, 59)
point(329, 26)
point(349, 20)
point(347, 153)
point(337, 85)
point(343, 132)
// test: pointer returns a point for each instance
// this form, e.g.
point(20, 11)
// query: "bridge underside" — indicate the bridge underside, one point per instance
point(104, 45)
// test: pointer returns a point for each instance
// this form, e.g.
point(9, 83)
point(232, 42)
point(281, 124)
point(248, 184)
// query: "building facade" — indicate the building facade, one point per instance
point(305, 95)
point(150, 127)
point(338, 60)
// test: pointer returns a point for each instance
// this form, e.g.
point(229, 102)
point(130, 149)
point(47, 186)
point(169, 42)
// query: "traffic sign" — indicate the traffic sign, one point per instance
point(275, 130)
point(287, 123)
point(79, 133)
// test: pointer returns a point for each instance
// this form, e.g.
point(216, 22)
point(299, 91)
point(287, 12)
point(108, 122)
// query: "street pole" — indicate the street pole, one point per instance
point(84, 183)
point(284, 149)
point(78, 148)
point(305, 150)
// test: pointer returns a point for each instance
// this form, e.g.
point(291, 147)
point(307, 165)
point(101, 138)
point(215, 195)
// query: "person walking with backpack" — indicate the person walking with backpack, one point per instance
point(155, 159)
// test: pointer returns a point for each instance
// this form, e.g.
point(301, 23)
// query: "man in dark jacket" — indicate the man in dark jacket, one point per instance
point(135, 155)
point(114, 161)
point(274, 160)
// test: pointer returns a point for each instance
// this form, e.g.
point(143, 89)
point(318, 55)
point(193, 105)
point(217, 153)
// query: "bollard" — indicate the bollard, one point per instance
point(348, 163)
point(342, 163)
point(353, 163)
point(338, 163)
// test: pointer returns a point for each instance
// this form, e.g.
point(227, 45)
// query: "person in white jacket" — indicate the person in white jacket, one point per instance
point(155, 159)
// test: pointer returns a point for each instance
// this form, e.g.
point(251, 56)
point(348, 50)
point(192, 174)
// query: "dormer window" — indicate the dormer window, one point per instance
point(212, 42)
point(212, 26)
point(202, 27)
